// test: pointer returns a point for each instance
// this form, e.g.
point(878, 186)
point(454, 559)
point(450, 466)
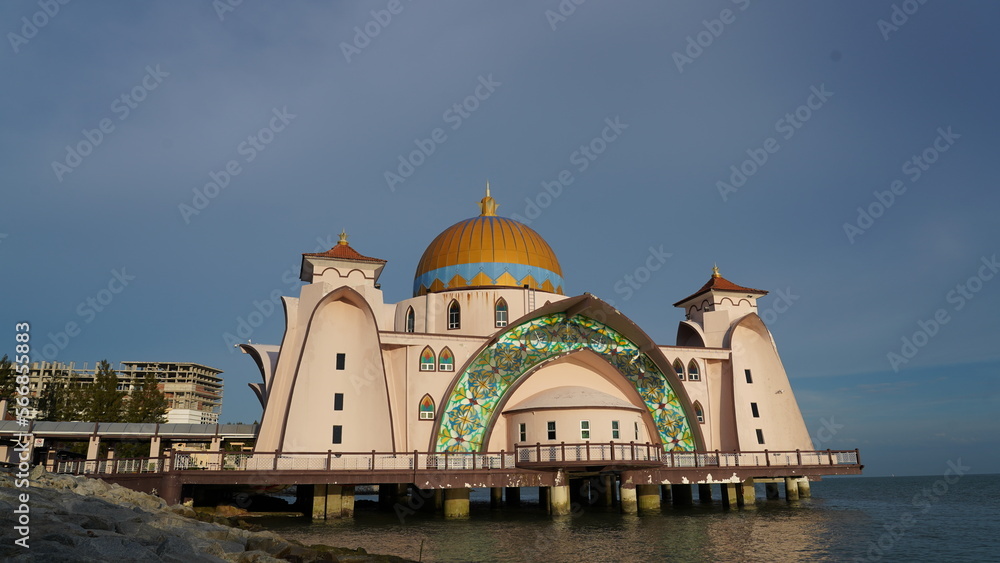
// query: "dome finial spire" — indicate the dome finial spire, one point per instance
point(343, 237)
point(488, 206)
point(715, 271)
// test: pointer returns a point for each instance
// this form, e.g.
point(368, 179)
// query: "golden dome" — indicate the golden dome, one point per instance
point(488, 251)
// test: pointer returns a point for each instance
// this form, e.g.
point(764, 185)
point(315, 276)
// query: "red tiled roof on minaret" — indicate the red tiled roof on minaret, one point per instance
point(343, 251)
point(719, 283)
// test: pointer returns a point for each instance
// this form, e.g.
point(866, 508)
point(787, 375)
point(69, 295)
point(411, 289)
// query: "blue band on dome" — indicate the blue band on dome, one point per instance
point(492, 270)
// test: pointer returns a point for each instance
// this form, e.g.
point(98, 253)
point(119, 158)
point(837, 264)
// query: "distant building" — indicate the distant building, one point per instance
point(193, 391)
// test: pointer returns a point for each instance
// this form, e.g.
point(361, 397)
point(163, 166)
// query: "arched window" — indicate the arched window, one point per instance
point(454, 315)
point(501, 313)
point(426, 408)
point(410, 320)
point(427, 358)
point(693, 374)
point(699, 413)
point(446, 360)
point(679, 368)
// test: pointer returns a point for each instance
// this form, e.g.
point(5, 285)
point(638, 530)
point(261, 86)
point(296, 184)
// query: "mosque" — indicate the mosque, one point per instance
point(490, 354)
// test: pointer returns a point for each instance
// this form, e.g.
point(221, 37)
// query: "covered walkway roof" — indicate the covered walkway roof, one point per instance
point(193, 432)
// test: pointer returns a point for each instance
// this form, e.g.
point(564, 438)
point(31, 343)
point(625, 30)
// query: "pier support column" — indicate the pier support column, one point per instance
point(559, 500)
point(728, 491)
point(771, 491)
point(748, 493)
point(456, 503)
point(804, 490)
point(629, 502)
point(496, 497)
point(704, 493)
point(681, 495)
point(607, 491)
point(513, 495)
point(347, 501)
point(648, 498)
point(326, 502)
point(389, 494)
point(665, 493)
point(93, 450)
point(438, 500)
point(543, 499)
point(791, 488)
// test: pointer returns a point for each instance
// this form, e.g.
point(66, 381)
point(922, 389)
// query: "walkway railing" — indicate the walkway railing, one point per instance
point(523, 456)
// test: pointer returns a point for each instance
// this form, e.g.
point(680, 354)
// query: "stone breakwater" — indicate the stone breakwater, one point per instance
point(81, 519)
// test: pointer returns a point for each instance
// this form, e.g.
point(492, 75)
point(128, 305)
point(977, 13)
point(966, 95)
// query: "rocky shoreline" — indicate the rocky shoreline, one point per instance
point(81, 519)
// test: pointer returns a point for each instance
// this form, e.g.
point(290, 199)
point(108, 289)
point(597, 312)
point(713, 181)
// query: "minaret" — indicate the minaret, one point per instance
point(718, 304)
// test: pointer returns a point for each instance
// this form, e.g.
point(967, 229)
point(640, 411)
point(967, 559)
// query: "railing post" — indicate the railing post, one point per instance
point(329, 459)
point(588, 450)
point(473, 461)
point(562, 451)
point(538, 451)
point(857, 456)
point(446, 466)
point(274, 464)
point(672, 464)
point(631, 447)
point(373, 460)
point(767, 458)
point(416, 460)
point(502, 460)
point(798, 456)
point(612, 450)
point(737, 455)
point(829, 455)
point(718, 458)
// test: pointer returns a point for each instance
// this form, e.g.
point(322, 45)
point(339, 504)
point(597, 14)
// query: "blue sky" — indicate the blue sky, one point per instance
point(838, 103)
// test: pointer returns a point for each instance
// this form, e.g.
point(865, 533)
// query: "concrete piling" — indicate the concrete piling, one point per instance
point(648, 498)
point(629, 500)
point(456, 503)
point(791, 488)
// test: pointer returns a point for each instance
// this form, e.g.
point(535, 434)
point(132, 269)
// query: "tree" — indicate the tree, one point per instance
point(57, 401)
point(147, 403)
point(8, 383)
point(103, 402)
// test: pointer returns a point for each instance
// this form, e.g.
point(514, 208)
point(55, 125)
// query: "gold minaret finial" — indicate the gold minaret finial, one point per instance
point(343, 237)
point(488, 206)
point(715, 271)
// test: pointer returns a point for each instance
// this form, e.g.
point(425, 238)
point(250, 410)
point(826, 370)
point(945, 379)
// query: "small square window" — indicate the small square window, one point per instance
point(760, 436)
point(522, 432)
point(341, 361)
point(753, 409)
point(584, 429)
point(338, 434)
point(338, 401)
point(746, 372)
point(426, 415)
point(615, 432)
point(551, 427)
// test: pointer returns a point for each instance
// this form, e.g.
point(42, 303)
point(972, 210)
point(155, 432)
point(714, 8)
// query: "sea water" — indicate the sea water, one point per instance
point(847, 519)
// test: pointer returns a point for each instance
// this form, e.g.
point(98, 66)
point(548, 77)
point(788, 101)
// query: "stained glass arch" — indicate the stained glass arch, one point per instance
point(428, 360)
point(476, 396)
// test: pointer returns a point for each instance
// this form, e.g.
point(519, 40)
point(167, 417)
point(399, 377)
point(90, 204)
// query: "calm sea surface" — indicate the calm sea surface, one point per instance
point(847, 519)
